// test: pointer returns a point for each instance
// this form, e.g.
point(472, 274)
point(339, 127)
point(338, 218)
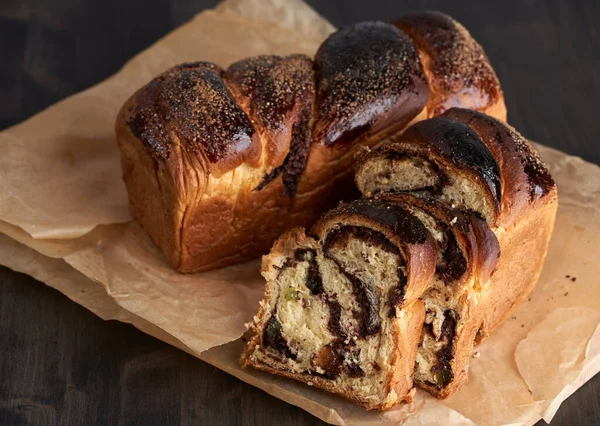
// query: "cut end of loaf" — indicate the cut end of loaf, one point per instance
point(336, 314)
point(395, 170)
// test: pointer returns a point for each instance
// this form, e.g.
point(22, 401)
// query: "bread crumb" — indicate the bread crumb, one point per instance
point(309, 383)
point(567, 293)
point(574, 279)
point(476, 354)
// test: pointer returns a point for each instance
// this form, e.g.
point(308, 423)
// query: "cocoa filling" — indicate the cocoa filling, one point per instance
point(295, 162)
point(351, 367)
point(443, 179)
point(443, 370)
point(396, 293)
point(335, 315)
point(453, 265)
point(368, 297)
point(313, 277)
point(272, 337)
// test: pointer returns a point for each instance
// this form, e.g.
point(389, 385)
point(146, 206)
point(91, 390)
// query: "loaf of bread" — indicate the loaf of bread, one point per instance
point(218, 163)
point(488, 204)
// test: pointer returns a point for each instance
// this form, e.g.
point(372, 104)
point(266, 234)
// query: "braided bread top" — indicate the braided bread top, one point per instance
point(269, 111)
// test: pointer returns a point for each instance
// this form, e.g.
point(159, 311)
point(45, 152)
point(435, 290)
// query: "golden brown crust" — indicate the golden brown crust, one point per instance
point(457, 68)
point(526, 220)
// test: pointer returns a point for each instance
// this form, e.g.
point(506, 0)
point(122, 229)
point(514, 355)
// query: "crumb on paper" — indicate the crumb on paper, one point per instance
point(567, 293)
point(476, 354)
point(574, 279)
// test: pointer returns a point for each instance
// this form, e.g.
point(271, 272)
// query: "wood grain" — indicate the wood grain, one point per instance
point(61, 365)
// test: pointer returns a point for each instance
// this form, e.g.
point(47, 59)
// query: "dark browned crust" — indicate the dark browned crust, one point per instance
point(192, 103)
point(301, 175)
point(525, 178)
point(278, 94)
point(369, 76)
point(455, 63)
point(454, 140)
point(148, 126)
point(399, 222)
point(273, 86)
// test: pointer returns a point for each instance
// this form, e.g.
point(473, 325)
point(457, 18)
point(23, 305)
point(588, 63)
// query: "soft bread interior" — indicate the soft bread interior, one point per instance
point(333, 310)
point(397, 174)
point(436, 349)
point(408, 172)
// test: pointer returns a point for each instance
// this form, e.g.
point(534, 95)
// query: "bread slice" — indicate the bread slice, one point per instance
point(341, 310)
point(467, 159)
point(468, 253)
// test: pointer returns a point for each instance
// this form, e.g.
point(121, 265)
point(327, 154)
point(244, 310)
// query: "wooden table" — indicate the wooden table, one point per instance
point(61, 365)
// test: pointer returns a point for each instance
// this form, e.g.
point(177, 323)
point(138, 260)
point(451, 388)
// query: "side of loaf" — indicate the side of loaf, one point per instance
point(487, 203)
point(219, 162)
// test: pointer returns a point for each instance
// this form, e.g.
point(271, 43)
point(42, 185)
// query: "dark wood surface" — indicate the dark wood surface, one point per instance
point(61, 365)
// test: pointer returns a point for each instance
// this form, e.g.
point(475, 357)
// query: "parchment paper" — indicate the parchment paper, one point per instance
point(63, 213)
